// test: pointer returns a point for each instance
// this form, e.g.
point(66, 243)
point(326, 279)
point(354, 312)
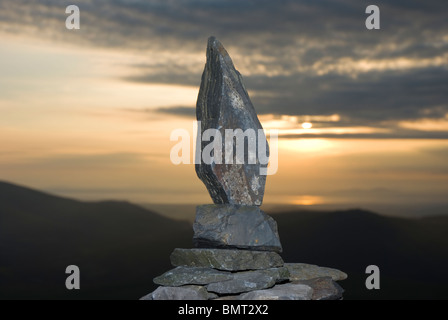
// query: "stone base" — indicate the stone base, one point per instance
point(232, 274)
point(235, 226)
point(226, 259)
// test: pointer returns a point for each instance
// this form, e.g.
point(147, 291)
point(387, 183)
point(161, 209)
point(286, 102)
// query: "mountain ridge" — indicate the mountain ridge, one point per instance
point(41, 234)
point(120, 247)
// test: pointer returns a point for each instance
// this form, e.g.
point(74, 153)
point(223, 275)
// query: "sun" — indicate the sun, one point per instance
point(307, 200)
point(307, 125)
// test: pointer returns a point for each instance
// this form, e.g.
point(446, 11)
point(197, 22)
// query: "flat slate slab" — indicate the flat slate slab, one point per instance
point(249, 281)
point(238, 226)
point(323, 288)
point(226, 259)
point(288, 291)
point(304, 271)
point(180, 276)
point(178, 293)
point(243, 282)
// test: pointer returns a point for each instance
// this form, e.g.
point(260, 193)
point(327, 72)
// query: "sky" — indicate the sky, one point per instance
point(362, 114)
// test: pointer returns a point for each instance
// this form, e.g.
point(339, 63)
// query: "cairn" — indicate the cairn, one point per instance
point(237, 245)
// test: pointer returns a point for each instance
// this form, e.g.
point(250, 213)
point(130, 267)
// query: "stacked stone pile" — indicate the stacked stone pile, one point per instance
point(237, 244)
point(235, 274)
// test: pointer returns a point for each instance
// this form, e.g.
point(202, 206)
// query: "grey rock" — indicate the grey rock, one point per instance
point(179, 293)
point(223, 103)
point(231, 297)
point(226, 259)
point(186, 275)
point(239, 226)
point(212, 296)
point(249, 281)
point(303, 271)
point(288, 291)
point(280, 274)
point(243, 282)
point(323, 288)
point(147, 297)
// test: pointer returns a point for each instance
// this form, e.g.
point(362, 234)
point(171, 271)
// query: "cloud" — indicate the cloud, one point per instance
point(156, 113)
point(393, 134)
point(187, 79)
point(90, 161)
point(297, 58)
point(371, 97)
point(287, 24)
point(180, 111)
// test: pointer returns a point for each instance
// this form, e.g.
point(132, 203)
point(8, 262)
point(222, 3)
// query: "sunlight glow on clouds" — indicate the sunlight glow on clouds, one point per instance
point(349, 66)
point(314, 125)
point(96, 107)
point(426, 124)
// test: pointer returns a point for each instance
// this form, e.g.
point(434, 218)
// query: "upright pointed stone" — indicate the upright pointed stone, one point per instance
point(224, 107)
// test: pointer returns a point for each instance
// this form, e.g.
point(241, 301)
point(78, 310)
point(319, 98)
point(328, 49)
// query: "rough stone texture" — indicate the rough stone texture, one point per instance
point(303, 271)
point(288, 291)
point(178, 293)
point(323, 288)
point(147, 297)
point(232, 297)
point(238, 243)
point(280, 274)
point(227, 225)
point(223, 103)
point(249, 280)
point(212, 296)
point(186, 275)
point(243, 282)
point(226, 259)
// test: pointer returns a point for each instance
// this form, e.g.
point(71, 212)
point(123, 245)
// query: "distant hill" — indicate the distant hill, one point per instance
point(121, 247)
point(412, 253)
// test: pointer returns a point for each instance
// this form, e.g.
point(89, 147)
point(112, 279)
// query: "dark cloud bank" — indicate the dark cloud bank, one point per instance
point(311, 53)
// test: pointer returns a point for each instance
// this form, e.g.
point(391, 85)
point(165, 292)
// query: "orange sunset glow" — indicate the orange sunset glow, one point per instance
point(91, 119)
point(104, 195)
